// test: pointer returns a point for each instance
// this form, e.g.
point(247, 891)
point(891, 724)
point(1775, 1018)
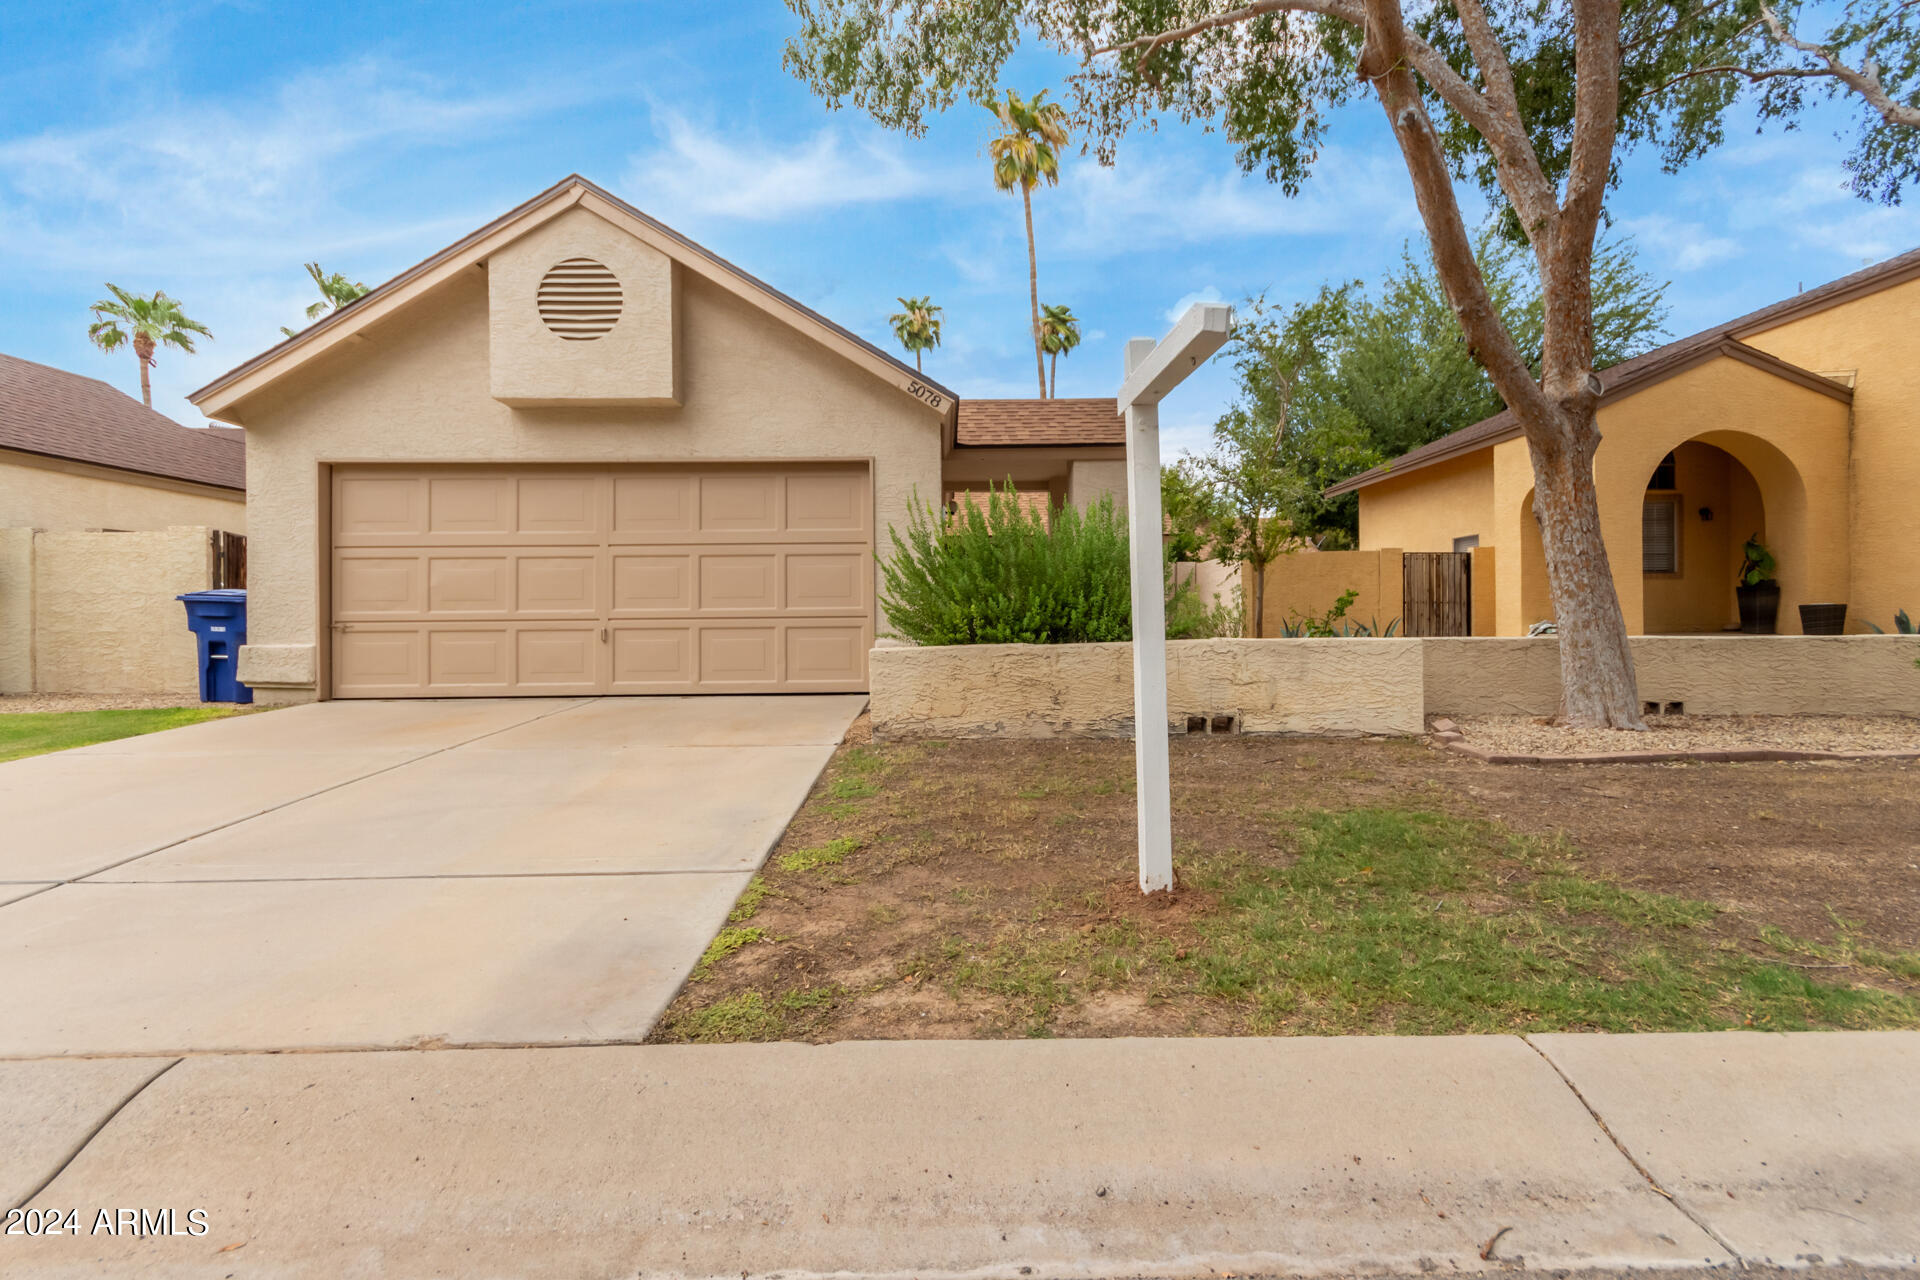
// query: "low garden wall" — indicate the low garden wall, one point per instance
point(1709, 675)
point(1366, 686)
point(1086, 690)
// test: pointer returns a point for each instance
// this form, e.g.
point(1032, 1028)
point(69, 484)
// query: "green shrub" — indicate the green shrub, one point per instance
point(1191, 618)
point(1007, 575)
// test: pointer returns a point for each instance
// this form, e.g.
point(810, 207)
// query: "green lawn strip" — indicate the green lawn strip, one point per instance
point(1413, 923)
point(724, 944)
point(32, 733)
point(749, 900)
point(746, 1015)
point(824, 855)
point(1409, 922)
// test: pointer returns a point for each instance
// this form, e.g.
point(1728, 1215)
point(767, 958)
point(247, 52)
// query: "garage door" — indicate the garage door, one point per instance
point(468, 581)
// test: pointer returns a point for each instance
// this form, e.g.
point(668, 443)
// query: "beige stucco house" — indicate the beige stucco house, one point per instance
point(575, 452)
point(107, 511)
point(1799, 422)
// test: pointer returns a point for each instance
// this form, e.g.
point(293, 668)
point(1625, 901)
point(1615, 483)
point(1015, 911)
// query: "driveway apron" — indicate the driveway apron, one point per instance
point(389, 874)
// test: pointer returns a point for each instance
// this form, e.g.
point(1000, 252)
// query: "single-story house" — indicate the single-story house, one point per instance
point(77, 454)
point(108, 510)
point(1799, 422)
point(575, 452)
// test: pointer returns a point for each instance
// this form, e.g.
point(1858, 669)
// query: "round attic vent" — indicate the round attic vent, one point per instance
point(579, 299)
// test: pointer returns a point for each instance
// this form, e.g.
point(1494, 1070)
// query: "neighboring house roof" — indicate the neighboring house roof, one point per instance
point(1040, 422)
point(58, 414)
point(220, 394)
point(1642, 371)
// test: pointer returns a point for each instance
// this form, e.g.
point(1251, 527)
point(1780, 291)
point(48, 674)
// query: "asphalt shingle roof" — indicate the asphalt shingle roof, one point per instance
point(58, 414)
point(1030, 422)
point(1653, 365)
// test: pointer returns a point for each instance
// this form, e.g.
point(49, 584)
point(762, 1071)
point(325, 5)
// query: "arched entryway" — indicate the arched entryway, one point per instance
point(1700, 507)
point(1675, 539)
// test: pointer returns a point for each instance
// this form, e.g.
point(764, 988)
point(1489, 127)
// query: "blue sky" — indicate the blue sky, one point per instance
point(210, 149)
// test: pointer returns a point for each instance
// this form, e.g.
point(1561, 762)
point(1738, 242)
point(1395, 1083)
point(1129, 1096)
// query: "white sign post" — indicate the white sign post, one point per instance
point(1152, 371)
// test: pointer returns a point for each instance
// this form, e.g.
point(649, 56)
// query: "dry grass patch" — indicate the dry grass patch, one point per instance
point(986, 889)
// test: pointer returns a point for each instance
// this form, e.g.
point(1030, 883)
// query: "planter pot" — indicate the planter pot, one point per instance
point(1823, 619)
point(1759, 608)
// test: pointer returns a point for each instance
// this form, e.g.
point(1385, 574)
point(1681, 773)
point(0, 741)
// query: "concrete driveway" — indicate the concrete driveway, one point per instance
point(387, 874)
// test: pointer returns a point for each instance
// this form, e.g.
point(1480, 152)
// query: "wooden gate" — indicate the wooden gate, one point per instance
point(1436, 593)
point(229, 558)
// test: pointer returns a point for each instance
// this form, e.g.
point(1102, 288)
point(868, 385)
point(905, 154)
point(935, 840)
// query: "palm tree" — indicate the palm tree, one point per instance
point(1024, 156)
point(1059, 334)
point(150, 323)
point(918, 327)
point(336, 291)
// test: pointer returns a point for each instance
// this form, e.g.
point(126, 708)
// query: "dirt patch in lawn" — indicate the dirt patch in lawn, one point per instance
point(986, 889)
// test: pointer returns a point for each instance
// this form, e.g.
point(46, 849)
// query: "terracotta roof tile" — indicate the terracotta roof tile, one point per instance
point(63, 415)
point(1029, 422)
point(1630, 375)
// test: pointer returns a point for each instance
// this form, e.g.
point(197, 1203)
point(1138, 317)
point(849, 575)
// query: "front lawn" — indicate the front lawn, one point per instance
point(32, 733)
point(1326, 887)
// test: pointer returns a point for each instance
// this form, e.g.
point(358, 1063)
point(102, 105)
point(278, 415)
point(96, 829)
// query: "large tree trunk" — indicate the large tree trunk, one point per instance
point(1597, 685)
point(1033, 291)
point(1053, 375)
point(1556, 413)
point(143, 352)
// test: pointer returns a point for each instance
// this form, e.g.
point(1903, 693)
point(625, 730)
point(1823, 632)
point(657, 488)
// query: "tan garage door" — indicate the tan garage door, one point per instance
point(465, 581)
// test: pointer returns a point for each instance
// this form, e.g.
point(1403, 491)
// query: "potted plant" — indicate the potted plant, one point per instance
point(1758, 593)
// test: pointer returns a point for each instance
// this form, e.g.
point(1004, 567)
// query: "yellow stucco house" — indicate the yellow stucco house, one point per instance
point(1799, 422)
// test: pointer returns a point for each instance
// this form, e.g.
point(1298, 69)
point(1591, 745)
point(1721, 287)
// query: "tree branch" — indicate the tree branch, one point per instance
point(1384, 62)
point(1566, 259)
point(1863, 80)
point(1521, 178)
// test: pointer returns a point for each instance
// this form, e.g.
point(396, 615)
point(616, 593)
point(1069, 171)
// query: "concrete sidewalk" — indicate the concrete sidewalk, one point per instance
point(1082, 1158)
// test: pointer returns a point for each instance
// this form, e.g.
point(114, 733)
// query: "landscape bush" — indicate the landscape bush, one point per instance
point(1004, 573)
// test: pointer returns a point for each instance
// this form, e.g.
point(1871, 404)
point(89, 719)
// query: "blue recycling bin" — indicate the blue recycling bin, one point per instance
point(218, 620)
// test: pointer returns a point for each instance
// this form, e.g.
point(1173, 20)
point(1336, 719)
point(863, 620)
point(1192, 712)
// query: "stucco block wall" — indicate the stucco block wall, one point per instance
point(1086, 690)
point(16, 610)
point(1711, 675)
point(102, 610)
point(50, 494)
point(418, 390)
point(1310, 582)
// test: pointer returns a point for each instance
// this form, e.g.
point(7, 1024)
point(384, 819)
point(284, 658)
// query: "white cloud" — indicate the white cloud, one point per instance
point(219, 202)
point(1167, 197)
point(238, 183)
point(1178, 309)
point(695, 170)
point(1686, 246)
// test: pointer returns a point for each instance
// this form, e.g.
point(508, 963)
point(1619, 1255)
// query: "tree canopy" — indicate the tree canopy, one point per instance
point(1531, 99)
point(1357, 376)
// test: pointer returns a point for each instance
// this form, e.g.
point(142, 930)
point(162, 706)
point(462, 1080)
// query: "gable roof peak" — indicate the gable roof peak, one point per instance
point(574, 190)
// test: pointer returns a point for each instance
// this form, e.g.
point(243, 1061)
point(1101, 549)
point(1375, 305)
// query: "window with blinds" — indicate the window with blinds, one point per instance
point(1660, 536)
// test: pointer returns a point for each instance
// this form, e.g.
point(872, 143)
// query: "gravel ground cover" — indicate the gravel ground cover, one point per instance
point(1527, 735)
point(23, 703)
